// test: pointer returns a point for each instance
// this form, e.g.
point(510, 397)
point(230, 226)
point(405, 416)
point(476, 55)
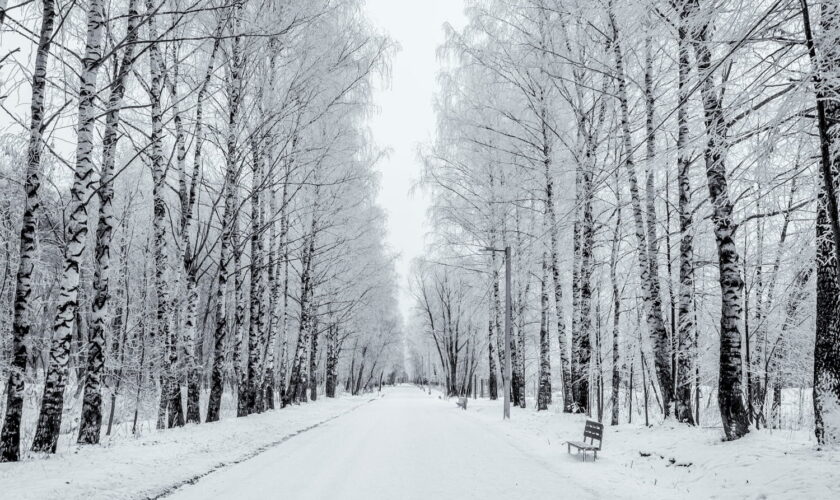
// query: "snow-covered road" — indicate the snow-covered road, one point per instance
point(406, 445)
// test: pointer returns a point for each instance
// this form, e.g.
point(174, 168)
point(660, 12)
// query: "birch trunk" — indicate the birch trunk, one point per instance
point(91, 421)
point(650, 288)
point(562, 340)
point(662, 341)
point(616, 305)
point(21, 322)
point(52, 402)
point(229, 216)
point(274, 290)
point(544, 392)
point(685, 319)
point(313, 357)
point(257, 286)
point(284, 344)
point(827, 344)
point(517, 379)
point(570, 404)
point(518, 336)
point(730, 394)
point(297, 380)
point(187, 198)
point(581, 349)
point(493, 330)
point(217, 376)
point(331, 380)
point(171, 387)
point(185, 337)
point(240, 374)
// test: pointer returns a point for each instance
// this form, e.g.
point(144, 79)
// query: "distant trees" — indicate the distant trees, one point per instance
point(249, 117)
point(443, 306)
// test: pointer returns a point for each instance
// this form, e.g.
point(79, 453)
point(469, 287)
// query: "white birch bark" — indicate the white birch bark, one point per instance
point(650, 292)
point(52, 402)
point(730, 394)
point(91, 421)
point(21, 321)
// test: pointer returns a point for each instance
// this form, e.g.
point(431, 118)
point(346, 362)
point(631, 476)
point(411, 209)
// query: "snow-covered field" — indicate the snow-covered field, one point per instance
point(411, 445)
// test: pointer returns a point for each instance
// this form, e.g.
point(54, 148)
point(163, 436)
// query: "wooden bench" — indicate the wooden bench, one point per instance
point(593, 431)
point(462, 403)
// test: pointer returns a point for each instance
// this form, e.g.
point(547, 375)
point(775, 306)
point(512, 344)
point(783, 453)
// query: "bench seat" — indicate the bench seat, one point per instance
point(583, 446)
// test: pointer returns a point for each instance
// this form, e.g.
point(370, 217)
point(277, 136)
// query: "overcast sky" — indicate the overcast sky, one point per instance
point(407, 118)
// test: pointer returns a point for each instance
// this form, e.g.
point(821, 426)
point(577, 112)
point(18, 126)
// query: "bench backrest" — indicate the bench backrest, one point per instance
point(593, 431)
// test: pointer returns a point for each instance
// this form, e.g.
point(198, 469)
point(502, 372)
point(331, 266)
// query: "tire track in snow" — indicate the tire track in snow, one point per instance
point(169, 490)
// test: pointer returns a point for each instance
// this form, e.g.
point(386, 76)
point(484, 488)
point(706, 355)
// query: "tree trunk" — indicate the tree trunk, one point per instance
point(827, 343)
point(257, 287)
point(313, 358)
point(331, 379)
point(730, 394)
point(544, 393)
point(91, 422)
point(10, 437)
point(240, 375)
point(297, 380)
point(214, 402)
point(52, 403)
point(649, 282)
point(493, 330)
point(685, 322)
point(581, 348)
point(616, 296)
point(284, 343)
point(275, 290)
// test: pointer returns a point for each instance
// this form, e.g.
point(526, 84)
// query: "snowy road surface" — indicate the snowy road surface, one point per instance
point(406, 445)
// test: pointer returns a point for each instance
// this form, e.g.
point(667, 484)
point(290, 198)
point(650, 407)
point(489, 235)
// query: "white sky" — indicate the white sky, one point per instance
point(407, 117)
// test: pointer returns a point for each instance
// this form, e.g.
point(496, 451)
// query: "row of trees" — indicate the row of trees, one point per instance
point(656, 167)
point(189, 212)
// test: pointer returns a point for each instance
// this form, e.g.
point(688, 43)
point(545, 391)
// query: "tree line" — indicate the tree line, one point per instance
point(189, 221)
point(664, 172)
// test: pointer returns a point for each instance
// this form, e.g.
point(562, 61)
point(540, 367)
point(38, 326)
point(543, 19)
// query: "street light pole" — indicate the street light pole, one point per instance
point(507, 381)
point(506, 371)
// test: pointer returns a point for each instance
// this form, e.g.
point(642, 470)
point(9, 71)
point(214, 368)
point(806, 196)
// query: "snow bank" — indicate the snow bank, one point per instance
point(149, 465)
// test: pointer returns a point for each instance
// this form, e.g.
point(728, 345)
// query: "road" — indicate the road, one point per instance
point(406, 445)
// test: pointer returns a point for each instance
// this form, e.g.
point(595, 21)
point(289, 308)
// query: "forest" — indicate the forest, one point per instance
point(188, 218)
point(664, 174)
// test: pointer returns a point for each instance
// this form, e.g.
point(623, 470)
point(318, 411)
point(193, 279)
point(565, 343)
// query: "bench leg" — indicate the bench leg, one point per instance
point(568, 449)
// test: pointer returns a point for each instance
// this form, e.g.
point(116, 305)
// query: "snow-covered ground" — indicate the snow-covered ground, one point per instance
point(154, 463)
point(410, 445)
point(676, 461)
point(407, 444)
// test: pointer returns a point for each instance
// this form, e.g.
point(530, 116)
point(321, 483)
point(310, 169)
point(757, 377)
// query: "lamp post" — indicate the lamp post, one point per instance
point(506, 373)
